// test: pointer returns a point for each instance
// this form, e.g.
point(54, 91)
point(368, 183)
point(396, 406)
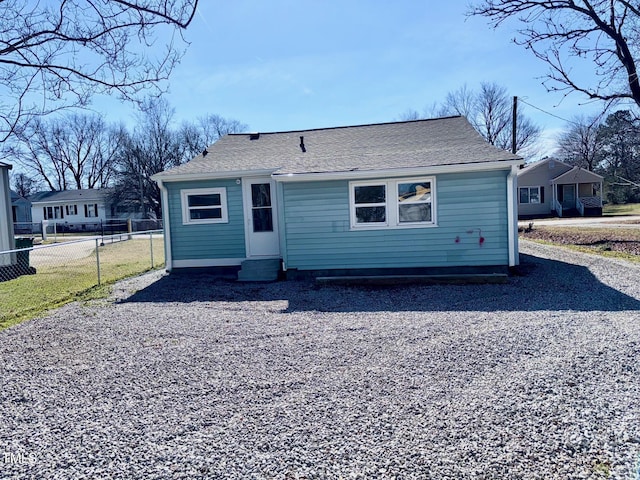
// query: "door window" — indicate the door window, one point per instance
point(261, 207)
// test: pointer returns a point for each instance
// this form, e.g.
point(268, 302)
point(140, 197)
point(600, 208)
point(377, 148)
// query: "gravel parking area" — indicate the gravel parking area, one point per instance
point(191, 377)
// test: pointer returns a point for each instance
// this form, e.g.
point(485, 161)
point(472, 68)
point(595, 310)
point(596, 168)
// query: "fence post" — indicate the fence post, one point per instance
point(151, 243)
point(55, 232)
point(129, 227)
point(98, 260)
point(44, 229)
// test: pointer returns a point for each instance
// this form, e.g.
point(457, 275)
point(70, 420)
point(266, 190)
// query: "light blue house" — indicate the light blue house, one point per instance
point(426, 196)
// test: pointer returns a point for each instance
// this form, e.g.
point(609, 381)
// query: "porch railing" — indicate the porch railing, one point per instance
point(557, 207)
point(591, 202)
point(579, 207)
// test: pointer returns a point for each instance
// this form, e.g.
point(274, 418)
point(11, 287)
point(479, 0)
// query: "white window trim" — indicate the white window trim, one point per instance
point(184, 199)
point(528, 195)
point(352, 204)
point(392, 204)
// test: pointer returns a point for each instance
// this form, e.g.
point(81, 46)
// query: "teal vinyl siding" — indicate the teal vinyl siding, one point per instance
point(469, 205)
point(207, 241)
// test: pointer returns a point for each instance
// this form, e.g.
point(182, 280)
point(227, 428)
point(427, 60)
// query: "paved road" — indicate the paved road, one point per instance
point(617, 221)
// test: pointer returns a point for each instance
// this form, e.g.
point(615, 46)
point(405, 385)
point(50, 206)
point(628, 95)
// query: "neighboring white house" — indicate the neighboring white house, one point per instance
point(71, 206)
point(7, 241)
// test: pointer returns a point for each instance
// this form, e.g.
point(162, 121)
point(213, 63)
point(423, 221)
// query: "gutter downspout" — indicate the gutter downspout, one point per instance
point(512, 213)
point(168, 261)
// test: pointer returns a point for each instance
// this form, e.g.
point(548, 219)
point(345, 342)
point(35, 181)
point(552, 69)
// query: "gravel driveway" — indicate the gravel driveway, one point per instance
point(190, 377)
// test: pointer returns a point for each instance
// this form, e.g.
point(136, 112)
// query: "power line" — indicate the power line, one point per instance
point(548, 113)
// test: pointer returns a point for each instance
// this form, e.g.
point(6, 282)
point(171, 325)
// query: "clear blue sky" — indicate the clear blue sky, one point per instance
point(298, 64)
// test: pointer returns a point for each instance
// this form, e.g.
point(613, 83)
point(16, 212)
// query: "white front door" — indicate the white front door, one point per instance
point(261, 217)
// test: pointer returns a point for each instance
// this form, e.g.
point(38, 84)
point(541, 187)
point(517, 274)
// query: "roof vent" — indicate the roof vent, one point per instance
point(254, 136)
point(302, 147)
point(204, 152)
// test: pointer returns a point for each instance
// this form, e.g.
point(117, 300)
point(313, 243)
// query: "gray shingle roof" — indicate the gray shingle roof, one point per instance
point(419, 143)
point(86, 195)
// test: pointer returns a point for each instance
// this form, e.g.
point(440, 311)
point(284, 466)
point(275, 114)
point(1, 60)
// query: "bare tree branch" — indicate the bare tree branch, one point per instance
point(57, 56)
point(580, 143)
point(605, 33)
point(489, 111)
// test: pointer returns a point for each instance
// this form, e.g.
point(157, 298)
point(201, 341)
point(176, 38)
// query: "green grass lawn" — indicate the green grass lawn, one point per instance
point(65, 281)
point(623, 209)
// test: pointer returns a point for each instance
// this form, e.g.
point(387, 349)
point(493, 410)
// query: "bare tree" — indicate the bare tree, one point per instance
point(56, 55)
point(461, 102)
point(156, 145)
point(581, 144)
point(36, 151)
point(73, 151)
point(409, 115)
point(24, 185)
point(87, 147)
point(195, 137)
point(605, 33)
point(490, 112)
point(152, 147)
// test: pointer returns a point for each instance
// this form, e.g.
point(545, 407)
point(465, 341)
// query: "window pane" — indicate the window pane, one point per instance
point(205, 213)
point(415, 213)
point(261, 195)
point(370, 194)
point(204, 200)
point(414, 192)
point(524, 195)
point(262, 220)
point(533, 196)
point(371, 214)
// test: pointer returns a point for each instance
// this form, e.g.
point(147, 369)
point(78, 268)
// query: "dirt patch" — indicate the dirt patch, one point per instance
point(620, 240)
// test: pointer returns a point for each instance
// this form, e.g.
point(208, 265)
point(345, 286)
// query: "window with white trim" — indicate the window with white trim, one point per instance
point(414, 202)
point(530, 195)
point(407, 202)
point(91, 210)
point(204, 205)
point(370, 204)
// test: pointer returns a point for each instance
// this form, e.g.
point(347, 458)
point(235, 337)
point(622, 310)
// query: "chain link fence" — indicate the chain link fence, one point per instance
point(33, 278)
point(112, 226)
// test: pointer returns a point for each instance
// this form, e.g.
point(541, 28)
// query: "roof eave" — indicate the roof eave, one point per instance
point(561, 178)
point(184, 177)
point(397, 172)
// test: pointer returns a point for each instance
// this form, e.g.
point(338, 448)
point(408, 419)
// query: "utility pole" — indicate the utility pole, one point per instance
point(513, 125)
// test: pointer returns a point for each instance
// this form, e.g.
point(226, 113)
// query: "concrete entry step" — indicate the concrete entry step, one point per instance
point(259, 270)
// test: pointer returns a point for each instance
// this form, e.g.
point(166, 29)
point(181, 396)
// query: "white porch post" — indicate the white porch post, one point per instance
point(601, 193)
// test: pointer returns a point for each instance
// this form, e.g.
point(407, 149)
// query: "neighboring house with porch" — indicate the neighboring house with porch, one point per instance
point(81, 207)
point(425, 196)
point(551, 187)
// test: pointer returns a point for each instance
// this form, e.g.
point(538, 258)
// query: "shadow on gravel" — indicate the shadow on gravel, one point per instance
point(540, 284)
